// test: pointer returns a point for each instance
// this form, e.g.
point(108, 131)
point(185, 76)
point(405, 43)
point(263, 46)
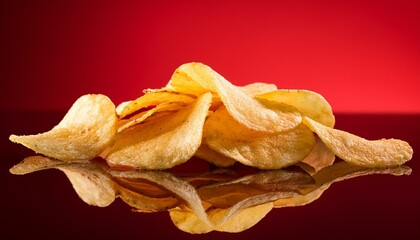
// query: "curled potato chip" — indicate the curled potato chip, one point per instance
point(196, 78)
point(320, 156)
point(257, 88)
point(142, 116)
point(121, 107)
point(162, 142)
point(308, 103)
point(214, 157)
point(83, 133)
point(359, 151)
point(225, 135)
point(154, 98)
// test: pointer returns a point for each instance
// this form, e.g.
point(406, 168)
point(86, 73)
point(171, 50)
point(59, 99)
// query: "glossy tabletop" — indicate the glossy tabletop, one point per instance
point(44, 205)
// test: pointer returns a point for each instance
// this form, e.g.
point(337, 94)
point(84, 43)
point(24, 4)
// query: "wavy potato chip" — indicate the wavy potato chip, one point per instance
point(167, 107)
point(320, 156)
point(359, 151)
point(258, 88)
point(196, 78)
point(256, 124)
point(214, 157)
point(154, 98)
point(162, 142)
point(83, 133)
point(308, 103)
point(253, 148)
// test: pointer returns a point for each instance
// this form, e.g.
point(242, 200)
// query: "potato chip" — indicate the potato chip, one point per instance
point(121, 107)
point(257, 88)
point(309, 103)
point(320, 156)
point(84, 132)
point(93, 185)
point(253, 148)
point(359, 151)
point(154, 98)
point(213, 157)
point(164, 142)
point(143, 115)
point(196, 78)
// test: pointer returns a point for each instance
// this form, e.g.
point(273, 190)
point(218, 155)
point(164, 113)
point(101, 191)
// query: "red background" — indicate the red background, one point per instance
point(363, 56)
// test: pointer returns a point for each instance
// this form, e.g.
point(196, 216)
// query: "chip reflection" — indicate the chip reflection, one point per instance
point(209, 199)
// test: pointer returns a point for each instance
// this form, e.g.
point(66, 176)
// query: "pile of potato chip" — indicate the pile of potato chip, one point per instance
point(109, 152)
point(200, 113)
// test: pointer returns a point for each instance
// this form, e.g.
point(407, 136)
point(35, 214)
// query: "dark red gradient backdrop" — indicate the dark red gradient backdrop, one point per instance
point(363, 56)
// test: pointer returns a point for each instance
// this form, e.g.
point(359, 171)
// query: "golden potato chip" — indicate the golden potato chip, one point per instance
point(308, 103)
point(164, 142)
point(143, 115)
point(154, 98)
point(84, 132)
point(93, 185)
point(213, 157)
point(359, 151)
point(320, 156)
point(121, 107)
point(196, 78)
point(253, 148)
point(257, 88)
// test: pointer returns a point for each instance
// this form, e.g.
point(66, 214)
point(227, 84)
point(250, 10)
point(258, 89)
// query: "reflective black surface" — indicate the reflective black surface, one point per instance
point(44, 204)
